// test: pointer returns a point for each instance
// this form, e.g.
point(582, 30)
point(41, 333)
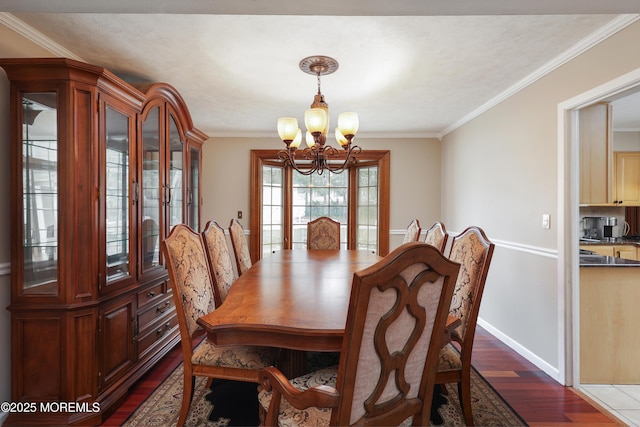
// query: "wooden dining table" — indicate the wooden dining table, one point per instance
point(293, 299)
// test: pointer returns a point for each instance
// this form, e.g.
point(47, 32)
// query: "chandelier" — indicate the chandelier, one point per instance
point(318, 156)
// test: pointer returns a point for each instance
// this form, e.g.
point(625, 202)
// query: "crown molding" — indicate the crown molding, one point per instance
point(36, 37)
point(579, 48)
point(363, 135)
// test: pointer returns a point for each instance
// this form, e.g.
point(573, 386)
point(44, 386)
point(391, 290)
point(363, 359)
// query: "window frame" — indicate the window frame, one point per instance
point(381, 158)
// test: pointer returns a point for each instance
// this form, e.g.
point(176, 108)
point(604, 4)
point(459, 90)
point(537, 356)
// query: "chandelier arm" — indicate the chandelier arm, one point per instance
point(350, 159)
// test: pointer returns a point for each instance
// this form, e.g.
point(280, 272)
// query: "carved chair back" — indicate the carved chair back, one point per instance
point(390, 352)
point(219, 259)
point(240, 246)
point(323, 233)
point(190, 278)
point(413, 232)
point(437, 236)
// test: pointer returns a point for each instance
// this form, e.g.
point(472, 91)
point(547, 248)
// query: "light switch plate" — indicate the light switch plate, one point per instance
point(546, 221)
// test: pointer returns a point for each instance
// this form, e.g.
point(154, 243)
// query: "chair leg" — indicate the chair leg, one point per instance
point(187, 396)
point(464, 393)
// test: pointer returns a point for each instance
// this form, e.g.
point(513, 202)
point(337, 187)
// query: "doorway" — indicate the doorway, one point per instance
point(568, 248)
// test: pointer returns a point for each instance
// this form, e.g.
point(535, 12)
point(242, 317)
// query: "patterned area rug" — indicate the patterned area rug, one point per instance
point(162, 407)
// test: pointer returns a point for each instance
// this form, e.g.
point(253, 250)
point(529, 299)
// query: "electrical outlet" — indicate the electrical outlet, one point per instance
point(239, 214)
point(546, 221)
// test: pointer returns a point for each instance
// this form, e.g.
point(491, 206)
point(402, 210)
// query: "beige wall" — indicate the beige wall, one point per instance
point(415, 179)
point(626, 141)
point(500, 170)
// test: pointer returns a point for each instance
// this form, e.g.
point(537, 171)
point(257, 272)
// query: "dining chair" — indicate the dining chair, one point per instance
point(219, 259)
point(437, 236)
point(323, 233)
point(240, 246)
point(397, 310)
point(413, 232)
point(473, 251)
point(194, 297)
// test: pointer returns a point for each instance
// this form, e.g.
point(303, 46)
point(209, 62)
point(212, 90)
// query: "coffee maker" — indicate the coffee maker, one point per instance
point(599, 227)
point(606, 224)
point(590, 227)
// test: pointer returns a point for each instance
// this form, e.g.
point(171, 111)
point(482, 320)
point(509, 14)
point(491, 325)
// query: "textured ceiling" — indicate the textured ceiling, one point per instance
point(404, 75)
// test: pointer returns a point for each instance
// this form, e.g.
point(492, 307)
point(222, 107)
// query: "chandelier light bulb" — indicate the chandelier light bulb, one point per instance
point(309, 139)
point(297, 140)
point(348, 123)
point(287, 128)
point(340, 138)
point(315, 119)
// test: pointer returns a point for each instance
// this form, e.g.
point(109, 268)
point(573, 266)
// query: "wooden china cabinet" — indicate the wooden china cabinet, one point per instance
point(100, 172)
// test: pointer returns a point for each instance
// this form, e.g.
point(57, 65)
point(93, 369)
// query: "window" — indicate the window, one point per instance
point(368, 208)
point(314, 196)
point(283, 201)
point(272, 212)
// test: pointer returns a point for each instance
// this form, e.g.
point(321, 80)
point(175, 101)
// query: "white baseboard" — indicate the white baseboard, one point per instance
point(552, 371)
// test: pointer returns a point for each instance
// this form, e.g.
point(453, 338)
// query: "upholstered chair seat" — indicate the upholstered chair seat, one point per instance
point(449, 359)
point(307, 417)
point(234, 356)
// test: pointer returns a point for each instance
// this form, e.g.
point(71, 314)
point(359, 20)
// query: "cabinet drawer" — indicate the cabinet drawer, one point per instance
point(159, 331)
point(155, 311)
point(149, 295)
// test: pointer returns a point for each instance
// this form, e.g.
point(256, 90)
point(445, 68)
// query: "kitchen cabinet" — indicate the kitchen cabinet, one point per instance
point(625, 251)
point(609, 318)
point(627, 178)
point(617, 251)
point(100, 172)
point(595, 155)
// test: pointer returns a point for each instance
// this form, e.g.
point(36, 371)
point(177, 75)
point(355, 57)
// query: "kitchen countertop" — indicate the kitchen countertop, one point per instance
point(606, 261)
point(610, 241)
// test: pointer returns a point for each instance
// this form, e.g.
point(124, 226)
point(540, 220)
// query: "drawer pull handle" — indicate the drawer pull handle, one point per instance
point(163, 308)
point(161, 331)
point(151, 294)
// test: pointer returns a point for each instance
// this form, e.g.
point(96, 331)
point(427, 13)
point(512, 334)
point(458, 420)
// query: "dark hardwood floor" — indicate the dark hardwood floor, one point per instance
point(535, 396)
point(538, 399)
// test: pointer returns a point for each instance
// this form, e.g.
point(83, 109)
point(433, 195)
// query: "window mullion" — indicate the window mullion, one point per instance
point(287, 207)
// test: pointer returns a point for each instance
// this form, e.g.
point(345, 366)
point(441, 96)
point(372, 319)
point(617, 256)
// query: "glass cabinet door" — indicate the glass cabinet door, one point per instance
point(40, 193)
point(117, 211)
point(176, 167)
point(194, 188)
point(150, 191)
